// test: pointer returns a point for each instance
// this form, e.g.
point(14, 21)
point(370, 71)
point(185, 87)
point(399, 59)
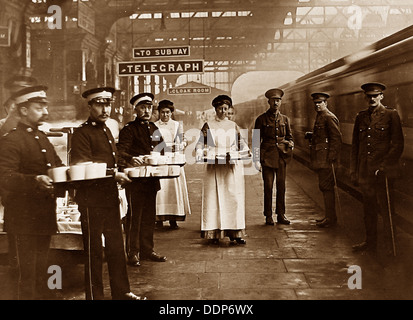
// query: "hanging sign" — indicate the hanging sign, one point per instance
point(85, 17)
point(194, 90)
point(160, 67)
point(161, 52)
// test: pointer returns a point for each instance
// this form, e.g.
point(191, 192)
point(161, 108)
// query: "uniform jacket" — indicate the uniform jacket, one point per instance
point(139, 138)
point(24, 154)
point(326, 140)
point(93, 141)
point(273, 131)
point(377, 142)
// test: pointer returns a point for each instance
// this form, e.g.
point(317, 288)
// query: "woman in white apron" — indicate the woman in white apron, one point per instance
point(172, 202)
point(223, 196)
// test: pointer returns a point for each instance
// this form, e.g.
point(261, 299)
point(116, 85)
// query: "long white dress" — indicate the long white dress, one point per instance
point(223, 194)
point(172, 201)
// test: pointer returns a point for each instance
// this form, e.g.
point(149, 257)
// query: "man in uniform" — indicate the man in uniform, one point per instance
point(376, 149)
point(14, 84)
point(25, 156)
point(136, 139)
point(275, 143)
point(99, 200)
point(325, 144)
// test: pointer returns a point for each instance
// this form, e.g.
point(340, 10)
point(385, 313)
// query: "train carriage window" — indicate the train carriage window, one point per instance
point(401, 98)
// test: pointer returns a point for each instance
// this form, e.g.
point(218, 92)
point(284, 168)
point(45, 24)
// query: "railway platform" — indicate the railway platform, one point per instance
point(299, 261)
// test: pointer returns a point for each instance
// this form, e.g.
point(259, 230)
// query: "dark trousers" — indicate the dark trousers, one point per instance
point(326, 186)
point(374, 203)
point(106, 221)
point(140, 222)
point(32, 254)
point(268, 175)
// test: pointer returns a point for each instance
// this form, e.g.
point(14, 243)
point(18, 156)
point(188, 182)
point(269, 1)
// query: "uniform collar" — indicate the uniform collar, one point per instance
point(95, 123)
point(27, 127)
point(142, 122)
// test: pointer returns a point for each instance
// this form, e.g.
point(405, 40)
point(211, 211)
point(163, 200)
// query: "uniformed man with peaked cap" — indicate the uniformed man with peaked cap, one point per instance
point(377, 145)
point(271, 152)
point(325, 144)
point(26, 154)
point(137, 139)
point(99, 200)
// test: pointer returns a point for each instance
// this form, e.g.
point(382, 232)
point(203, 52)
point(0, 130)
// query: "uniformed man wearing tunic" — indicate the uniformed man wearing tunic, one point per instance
point(325, 144)
point(376, 149)
point(99, 200)
point(26, 154)
point(137, 139)
point(271, 153)
point(12, 85)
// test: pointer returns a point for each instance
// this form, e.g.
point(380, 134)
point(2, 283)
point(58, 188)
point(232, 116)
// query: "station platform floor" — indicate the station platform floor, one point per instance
point(299, 261)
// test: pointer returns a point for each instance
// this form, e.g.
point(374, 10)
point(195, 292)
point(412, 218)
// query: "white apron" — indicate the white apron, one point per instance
point(172, 201)
point(223, 205)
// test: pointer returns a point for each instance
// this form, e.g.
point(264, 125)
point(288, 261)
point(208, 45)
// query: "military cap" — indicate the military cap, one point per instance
point(220, 100)
point(18, 82)
point(373, 88)
point(166, 104)
point(274, 93)
point(99, 95)
point(30, 94)
point(140, 98)
point(320, 96)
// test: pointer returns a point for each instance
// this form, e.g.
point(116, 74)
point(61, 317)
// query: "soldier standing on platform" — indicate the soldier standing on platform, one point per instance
point(99, 201)
point(137, 139)
point(325, 143)
point(25, 156)
point(274, 151)
point(376, 149)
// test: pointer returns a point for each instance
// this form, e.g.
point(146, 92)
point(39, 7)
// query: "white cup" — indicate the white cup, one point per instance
point(58, 174)
point(135, 172)
point(77, 172)
point(152, 160)
point(74, 216)
point(155, 153)
point(101, 169)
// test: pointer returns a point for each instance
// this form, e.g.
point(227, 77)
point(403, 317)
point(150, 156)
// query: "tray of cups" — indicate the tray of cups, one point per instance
point(158, 171)
point(231, 156)
point(170, 158)
point(82, 172)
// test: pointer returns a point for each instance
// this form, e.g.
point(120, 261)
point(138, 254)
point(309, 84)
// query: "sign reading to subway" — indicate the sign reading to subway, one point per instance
point(194, 90)
point(161, 52)
point(160, 67)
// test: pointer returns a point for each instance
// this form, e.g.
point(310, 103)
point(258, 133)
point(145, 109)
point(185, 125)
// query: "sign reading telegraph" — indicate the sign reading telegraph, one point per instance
point(161, 52)
point(134, 68)
point(194, 90)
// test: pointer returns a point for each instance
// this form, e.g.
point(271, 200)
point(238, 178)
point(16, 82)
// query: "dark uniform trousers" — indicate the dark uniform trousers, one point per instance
point(268, 175)
point(140, 221)
point(32, 254)
point(326, 186)
point(95, 222)
point(375, 203)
